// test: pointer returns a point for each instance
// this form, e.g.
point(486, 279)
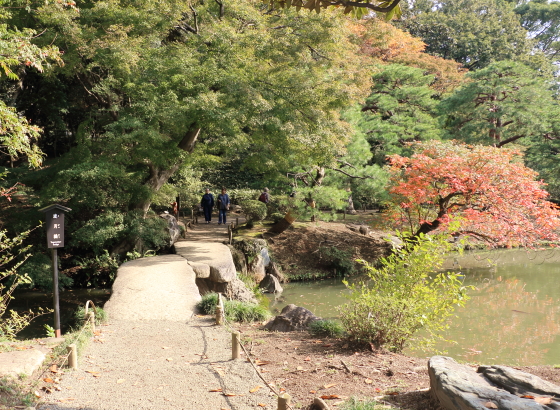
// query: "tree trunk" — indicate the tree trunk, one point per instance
point(350, 207)
point(158, 177)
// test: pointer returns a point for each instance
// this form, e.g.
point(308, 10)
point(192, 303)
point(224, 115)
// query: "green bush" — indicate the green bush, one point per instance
point(238, 196)
point(39, 269)
point(236, 311)
point(208, 303)
point(338, 259)
point(277, 216)
point(100, 315)
point(329, 328)
point(403, 296)
point(254, 210)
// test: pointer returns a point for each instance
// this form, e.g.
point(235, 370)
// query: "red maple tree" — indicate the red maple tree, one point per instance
point(486, 192)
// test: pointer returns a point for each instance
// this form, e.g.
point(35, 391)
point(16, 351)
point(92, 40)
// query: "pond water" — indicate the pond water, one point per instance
point(69, 301)
point(513, 316)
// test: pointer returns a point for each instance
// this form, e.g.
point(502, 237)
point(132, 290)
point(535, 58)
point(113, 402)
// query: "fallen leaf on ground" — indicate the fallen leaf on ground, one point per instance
point(215, 390)
point(526, 396)
point(255, 389)
point(92, 372)
point(232, 394)
point(261, 405)
point(312, 391)
point(307, 359)
point(120, 381)
point(368, 381)
point(54, 368)
point(169, 359)
point(543, 400)
point(330, 397)
point(48, 380)
point(37, 394)
point(328, 386)
point(490, 405)
point(261, 362)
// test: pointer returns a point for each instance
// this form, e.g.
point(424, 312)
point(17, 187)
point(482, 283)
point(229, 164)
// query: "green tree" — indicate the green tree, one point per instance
point(541, 19)
point(401, 108)
point(475, 33)
point(167, 85)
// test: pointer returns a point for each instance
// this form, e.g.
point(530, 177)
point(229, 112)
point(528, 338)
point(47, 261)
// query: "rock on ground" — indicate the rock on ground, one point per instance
point(159, 287)
point(291, 318)
point(459, 387)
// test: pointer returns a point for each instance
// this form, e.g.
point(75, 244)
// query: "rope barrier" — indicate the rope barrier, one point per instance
point(233, 330)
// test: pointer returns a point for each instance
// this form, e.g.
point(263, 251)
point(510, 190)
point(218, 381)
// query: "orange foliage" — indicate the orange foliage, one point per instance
point(486, 191)
point(388, 44)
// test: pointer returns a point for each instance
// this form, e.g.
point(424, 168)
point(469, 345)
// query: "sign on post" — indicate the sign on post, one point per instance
point(55, 239)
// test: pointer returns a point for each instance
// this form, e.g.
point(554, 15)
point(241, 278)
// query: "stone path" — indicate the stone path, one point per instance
point(156, 353)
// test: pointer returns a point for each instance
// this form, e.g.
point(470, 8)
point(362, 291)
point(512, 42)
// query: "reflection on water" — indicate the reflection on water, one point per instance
point(513, 316)
point(70, 300)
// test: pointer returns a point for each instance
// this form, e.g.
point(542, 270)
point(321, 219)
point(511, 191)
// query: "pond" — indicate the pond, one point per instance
point(512, 318)
point(70, 300)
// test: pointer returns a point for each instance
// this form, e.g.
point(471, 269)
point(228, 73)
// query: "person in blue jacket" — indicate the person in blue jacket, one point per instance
point(223, 206)
point(207, 203)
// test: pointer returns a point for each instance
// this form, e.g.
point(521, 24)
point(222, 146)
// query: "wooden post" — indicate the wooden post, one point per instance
point(192, 214)
point(219, 315)
point(91, 319)
point(196, 220)
point(73, 357)
point(235, 345)
point(237, 221)
point(284, 401)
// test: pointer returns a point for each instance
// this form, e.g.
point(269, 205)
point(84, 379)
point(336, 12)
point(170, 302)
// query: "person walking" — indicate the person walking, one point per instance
point(207, 203)
point(223, 206)
point(264, 196)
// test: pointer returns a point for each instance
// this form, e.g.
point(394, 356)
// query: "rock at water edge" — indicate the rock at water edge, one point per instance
point(292, 318)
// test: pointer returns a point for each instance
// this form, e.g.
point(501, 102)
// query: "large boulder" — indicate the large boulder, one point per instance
point(238, 259)
point(274, 270)
point(271, 284)
point(216, 255)
point(234, 290)
point(256, 255)
point(172, 227)
point(292, 318)
point(459, 387)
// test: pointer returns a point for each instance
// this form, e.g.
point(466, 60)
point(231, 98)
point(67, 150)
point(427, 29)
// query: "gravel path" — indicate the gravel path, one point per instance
point(155, 364)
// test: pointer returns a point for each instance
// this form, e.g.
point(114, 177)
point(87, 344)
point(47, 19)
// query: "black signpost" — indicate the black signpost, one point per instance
point(55, 239)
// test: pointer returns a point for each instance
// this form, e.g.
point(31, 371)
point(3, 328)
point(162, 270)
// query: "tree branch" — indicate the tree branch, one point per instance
point(366, 5)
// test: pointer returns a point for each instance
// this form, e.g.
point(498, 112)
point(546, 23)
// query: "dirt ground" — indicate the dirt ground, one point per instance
point(308, 367)
point(299, 250)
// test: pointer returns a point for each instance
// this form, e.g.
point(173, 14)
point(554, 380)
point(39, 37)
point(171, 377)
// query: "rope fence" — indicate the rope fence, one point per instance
point(283, 399)
point(71, 356)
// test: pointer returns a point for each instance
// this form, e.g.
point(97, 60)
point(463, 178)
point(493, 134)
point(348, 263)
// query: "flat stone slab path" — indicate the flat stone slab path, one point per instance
point(159, 287)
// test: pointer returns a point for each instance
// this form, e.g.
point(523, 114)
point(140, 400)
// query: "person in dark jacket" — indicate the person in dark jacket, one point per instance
point(223, 206)
point(207, 203)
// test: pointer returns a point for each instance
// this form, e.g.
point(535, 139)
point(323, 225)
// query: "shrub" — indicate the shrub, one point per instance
point(100, 315)
point(330, 328)
point(254, 210)
point(208, 303)
point(338, 259)
point(39, 269)
point(403, 296)
point(236, 311)
point(277, 216)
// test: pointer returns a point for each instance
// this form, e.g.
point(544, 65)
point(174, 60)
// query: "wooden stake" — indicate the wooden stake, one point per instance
point(91, 319)
point(235, 345)
point(284, 401)
point(73, 357)
point(219, 315)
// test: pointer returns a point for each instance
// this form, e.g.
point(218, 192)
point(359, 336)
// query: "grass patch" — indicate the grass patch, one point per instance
point(363, 404)
point(236, 311)
point(329, 328)
point(100, 315)
point(13, 394)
